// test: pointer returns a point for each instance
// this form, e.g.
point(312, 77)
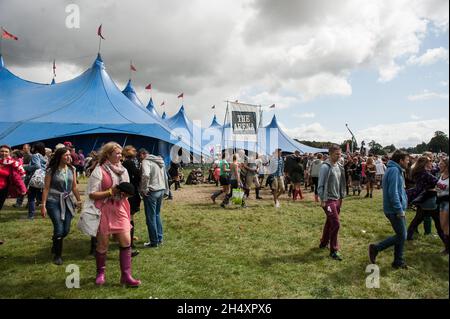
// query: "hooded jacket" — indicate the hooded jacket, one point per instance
point(325, 181)
point(395, 200)
point(153, 175)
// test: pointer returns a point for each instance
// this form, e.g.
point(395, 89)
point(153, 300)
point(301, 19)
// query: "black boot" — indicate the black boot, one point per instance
point(53, 246)
point(57, 260)
point(93, 246)
point(134, 251)
point(215, 195)
point(257, 193)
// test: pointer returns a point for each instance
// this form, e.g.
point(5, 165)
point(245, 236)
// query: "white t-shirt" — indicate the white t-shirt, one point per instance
point(442, 187)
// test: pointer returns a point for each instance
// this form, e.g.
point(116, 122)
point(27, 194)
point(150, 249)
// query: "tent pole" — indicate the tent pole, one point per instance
point(95, 144)
point(125, 141)
point(223, 132)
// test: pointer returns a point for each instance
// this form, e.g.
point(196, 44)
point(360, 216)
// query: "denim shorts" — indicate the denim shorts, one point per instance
point(443, 207)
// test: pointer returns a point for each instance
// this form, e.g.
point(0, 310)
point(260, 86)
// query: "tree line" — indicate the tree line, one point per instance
point(438, 143)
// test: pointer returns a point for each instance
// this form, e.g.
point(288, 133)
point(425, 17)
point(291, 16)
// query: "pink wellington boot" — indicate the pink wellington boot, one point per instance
point(101, 268)
point(294, 195)
point(125, 267)
point(300, 194)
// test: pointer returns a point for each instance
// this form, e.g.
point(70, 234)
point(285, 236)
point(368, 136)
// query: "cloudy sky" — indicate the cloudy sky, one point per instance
point(380, 66)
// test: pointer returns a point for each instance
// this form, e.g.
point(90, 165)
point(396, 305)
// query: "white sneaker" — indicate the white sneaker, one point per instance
point(277, 204)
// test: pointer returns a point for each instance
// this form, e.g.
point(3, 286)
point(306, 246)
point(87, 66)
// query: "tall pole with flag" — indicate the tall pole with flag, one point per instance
point(132, 68)
point(181, 96)
point(149, 88)
point(6, 35)
point(100, 37)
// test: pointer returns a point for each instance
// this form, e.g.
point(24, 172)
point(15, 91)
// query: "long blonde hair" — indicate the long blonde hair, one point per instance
point(106, 151)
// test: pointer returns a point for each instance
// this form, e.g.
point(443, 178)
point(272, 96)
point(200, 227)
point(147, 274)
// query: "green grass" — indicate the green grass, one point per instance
point(209, 252)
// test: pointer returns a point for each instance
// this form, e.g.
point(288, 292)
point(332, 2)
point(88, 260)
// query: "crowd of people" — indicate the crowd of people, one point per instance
point(119, 179)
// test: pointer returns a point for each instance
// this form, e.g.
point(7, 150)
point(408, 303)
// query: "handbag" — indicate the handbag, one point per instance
point(89, 221)
point(237, 196)
point(38, 179)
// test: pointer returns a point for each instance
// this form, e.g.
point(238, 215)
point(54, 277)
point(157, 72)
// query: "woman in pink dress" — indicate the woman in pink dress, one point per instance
point(115, 212)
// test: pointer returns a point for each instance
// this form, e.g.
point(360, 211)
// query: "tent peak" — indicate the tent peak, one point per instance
point(53, 82)
point(2, 64)
point(99, 62)
point(164, 115)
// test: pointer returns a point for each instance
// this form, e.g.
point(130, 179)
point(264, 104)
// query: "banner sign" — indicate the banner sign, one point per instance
point(244, 122)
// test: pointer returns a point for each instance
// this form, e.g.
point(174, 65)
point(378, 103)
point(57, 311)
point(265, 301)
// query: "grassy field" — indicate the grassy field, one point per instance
point(209, 252)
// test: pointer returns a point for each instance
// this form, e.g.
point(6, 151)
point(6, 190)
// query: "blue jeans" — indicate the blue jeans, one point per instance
point(152, 205)
point(398, 241)
point(61, 228)
point(33, 195)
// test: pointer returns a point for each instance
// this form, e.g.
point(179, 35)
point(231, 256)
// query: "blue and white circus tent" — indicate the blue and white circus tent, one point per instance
point(183, 127)
point(272, 137)
point(88, 110)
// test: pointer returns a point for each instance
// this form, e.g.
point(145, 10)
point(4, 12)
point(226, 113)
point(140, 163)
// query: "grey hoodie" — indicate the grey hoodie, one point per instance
point(153, 175)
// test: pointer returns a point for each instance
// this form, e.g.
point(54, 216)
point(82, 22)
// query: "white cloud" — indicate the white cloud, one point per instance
point(415, 117)
point(258, 51)
point(444, 83)
point(427, 95)
point(432, 56)
point(308, 115)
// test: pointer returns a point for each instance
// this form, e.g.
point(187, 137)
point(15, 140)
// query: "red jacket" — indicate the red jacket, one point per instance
point(13, 178)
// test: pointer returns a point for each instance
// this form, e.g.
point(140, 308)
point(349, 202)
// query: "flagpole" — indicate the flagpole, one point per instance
point(131, 62)
point(99, 44)
point(223, 131)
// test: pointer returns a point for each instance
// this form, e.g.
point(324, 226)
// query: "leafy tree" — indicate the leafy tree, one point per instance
point(439, 143)
point(376, 148)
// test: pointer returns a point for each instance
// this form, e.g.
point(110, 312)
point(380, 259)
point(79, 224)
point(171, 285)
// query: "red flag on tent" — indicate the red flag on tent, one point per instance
point(132, 68)
point(181, 96)
point(148, 87)
point(9, 36)
point(163, 103)
point(54, 68)
point(99, 32)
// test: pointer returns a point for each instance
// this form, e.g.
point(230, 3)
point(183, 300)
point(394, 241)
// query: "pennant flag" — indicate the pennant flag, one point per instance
point(272, 106)
point(132, 68)
point(181, 96)
point(9, 36)
point(163, 103)
point(99, 32)
point(148, 87)
point(213, 107)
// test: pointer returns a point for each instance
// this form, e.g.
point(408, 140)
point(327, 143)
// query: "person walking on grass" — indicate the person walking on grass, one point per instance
point(11, 173)
point(60, 185)
point(154, 184)
point(395, 202)
point(131, 164)
point(443, 200)
point(315, 169)
point(331, 190)
point(224, 178)
point(115, 212)
point(235, 181)
point(277, 176)
point(371, 171)
point(38, 162)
